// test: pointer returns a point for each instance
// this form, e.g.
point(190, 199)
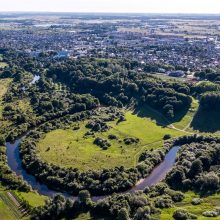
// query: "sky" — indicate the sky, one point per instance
point(135, 6)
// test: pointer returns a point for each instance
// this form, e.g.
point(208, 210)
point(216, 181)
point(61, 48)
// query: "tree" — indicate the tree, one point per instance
point(83, 196)
point(123, 214)
point(196, 168)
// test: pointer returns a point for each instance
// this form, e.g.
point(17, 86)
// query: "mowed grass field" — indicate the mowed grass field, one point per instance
point(208, 204)
point(69, 148)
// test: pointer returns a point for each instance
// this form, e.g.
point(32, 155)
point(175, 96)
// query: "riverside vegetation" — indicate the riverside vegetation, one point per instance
point(97, 127)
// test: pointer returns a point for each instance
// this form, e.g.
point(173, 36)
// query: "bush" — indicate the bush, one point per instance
point(196, 201)
point(166, 136)
point(129, 141)
point(182, 214)
point(210, 213)
point(104, 144)
point(112, 137)
point(163, 202)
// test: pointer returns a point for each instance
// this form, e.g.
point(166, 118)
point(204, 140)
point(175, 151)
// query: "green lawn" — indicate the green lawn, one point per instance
point(208, 204)
point(68, 148)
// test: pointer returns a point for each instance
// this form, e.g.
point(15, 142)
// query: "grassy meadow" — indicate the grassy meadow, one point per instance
point(208, 204)
point(5, 212)
point(185, 121)
point(69, 148)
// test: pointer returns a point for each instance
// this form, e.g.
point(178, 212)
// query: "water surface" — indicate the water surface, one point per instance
point(156, 175)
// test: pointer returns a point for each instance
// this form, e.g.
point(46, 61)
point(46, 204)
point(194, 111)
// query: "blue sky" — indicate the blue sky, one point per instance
point(144, 6)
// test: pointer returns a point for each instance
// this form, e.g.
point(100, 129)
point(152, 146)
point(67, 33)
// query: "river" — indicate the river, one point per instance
point(158, 173)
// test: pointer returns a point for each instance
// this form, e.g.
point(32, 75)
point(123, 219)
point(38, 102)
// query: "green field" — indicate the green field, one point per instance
point(9, 208)
point(5, 212)
point(69, 148)
point(185, 121)
point(208, 204)
point(34, 199)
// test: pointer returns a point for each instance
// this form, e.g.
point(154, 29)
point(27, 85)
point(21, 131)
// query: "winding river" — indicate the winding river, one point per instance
point(158, 174)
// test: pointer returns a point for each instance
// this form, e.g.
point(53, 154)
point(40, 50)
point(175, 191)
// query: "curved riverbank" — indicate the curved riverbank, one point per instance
point(15, 163)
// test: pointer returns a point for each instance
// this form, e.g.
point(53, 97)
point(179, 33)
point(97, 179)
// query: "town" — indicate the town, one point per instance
point(158, 44)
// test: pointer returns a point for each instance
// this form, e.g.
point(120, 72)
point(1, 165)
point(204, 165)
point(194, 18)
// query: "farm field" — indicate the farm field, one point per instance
point(71, 149)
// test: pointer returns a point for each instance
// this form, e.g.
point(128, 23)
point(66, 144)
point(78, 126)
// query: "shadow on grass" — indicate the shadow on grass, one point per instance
point(159, 118)
point(206, 121)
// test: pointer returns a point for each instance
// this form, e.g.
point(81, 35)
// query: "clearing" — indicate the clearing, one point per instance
point(69, 148)
point(208, 204)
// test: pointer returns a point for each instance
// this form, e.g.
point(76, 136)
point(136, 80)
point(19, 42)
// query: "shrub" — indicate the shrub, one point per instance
point(104, 144)
point(129, 141)
point(166, 136)
point(163, 202)
point(182, 214)
point(210, 213)
point(196, 201)
point(112, 137)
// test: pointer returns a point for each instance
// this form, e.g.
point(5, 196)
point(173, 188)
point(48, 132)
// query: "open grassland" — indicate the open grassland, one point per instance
point(164, 76)
point(185, 121)
point(33, 198)
point(5, 212)
point(69, 148)
point(11, 203)
point(208, 204)
point(9, 209)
